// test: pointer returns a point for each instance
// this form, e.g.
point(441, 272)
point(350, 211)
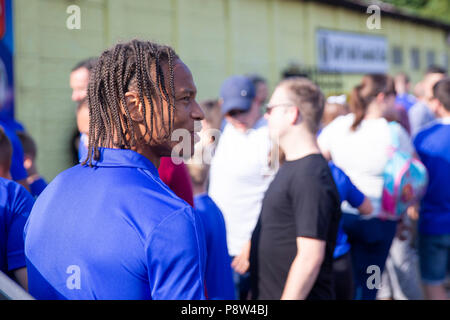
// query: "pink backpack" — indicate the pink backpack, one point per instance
point(405, 180)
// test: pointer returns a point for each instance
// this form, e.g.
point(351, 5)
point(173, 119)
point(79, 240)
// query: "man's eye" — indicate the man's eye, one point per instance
point(186, 99)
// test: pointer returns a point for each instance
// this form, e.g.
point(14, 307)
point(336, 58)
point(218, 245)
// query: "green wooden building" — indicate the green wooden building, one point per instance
point(216, 38)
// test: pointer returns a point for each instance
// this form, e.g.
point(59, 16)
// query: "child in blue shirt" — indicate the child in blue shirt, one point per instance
point(433, 147)
point(18, 171)
point(36, 183)
point(219, 275)
point(15, 206)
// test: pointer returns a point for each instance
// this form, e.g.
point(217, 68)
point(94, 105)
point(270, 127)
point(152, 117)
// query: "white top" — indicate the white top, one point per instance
point(239, 177)
point(362, 154)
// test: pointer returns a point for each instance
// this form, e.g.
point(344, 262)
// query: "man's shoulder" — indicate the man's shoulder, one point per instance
point(309, 172)
point(134, 187)
point(435, 132)
point(310, 165)
point(11, 191)
point(429, 129)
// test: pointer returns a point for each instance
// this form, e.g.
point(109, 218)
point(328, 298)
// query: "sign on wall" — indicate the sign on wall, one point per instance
point(339, 51)
point(6, 60)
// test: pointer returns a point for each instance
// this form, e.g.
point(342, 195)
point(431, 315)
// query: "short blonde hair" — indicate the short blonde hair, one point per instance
point(308, 98)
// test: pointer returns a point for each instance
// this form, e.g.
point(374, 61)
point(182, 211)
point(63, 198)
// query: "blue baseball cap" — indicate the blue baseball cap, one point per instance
point(237, 93)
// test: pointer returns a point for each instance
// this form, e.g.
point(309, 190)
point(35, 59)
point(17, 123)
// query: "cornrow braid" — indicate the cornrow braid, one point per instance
point(134, 65)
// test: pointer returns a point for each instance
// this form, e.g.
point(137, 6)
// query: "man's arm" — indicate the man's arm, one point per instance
point(241, 263)
point(176, 256)
point(366, 207)
point(304, 269)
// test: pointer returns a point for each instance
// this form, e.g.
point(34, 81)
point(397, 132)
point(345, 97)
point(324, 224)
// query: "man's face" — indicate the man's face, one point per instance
point(186, 113)
point(241, 120)
point(79, 80)
point(277, 120)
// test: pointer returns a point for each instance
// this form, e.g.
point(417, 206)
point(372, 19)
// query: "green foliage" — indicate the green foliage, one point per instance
point(433, 9)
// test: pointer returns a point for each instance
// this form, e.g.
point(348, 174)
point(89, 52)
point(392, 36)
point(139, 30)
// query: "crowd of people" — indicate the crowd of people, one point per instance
point(281, 196)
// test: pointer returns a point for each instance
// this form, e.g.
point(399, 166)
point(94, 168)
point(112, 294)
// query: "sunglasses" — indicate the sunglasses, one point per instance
point(236, 112)
point(269, 107)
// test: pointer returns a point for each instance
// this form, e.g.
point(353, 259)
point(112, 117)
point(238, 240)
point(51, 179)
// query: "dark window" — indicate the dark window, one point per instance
point(397, 56)
point(415, 59)
point(445, 61)
point(430, 58)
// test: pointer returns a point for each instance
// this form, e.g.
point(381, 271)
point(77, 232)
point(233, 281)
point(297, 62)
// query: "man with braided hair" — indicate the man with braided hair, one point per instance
point(109, 228)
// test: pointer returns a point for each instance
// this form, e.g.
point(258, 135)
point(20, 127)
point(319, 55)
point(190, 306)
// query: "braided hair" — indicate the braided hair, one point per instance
point(135, 65)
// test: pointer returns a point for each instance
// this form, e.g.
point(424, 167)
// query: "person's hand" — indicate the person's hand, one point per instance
point(413, 212)
point(241, 263)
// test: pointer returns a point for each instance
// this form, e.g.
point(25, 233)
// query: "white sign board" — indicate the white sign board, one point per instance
point(339, 51)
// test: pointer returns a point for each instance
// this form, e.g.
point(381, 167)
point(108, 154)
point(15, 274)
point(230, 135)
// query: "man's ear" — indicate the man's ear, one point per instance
point(134, 106)
point(295, 116)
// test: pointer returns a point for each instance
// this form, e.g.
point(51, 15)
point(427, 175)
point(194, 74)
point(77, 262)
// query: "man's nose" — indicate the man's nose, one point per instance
point(197, 112)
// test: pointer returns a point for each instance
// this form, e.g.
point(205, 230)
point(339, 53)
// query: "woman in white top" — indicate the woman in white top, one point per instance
point(358, 143)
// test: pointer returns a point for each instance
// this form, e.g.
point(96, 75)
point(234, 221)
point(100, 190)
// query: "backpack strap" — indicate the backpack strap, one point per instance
point(394, 130)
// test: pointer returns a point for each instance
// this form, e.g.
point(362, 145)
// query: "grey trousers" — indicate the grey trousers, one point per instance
point(401, 276)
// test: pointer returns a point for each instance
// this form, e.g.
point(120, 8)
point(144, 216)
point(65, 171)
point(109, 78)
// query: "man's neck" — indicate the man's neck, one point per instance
point(150, 155)
point(445, 117)
point(299, 144)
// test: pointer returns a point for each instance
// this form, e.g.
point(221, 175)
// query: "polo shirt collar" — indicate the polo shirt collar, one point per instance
point(123, 158)
point(445, 120)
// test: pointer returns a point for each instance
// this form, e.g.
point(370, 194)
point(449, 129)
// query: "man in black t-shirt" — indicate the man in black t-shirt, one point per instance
point(294, 240)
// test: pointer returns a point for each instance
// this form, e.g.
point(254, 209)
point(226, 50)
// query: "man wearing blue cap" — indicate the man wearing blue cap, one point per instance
point(239, 173)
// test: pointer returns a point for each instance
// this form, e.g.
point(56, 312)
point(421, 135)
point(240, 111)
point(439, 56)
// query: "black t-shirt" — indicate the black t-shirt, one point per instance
point(301, 201)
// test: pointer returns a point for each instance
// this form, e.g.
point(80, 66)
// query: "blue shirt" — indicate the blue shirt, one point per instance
point(433, 147)
point(114, 231)
point(347, 192)
point(37, 187)
point(18, 171)
point(219, 276)
point(15, 207)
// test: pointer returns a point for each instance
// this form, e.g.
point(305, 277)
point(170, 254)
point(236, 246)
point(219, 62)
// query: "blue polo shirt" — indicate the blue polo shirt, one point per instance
point(15, 207)
point(114, 231)
point(433, 147)
point(347, 192)
point(219, 276)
